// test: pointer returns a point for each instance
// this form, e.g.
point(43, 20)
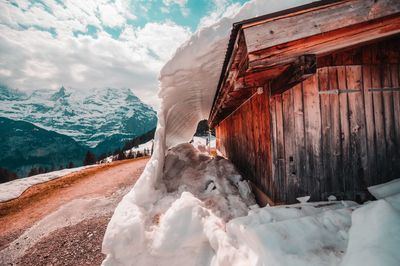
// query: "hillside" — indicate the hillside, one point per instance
point(24, 145)
point(98, 118)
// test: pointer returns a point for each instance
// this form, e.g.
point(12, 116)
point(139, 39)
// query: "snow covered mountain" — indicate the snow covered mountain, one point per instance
point(101, 118)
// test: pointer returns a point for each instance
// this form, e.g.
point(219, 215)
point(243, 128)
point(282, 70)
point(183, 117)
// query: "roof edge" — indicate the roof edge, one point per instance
point(237, 26)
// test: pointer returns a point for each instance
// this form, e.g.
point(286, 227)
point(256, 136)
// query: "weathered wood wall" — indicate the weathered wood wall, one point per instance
point(334, 134)
point(243, 138)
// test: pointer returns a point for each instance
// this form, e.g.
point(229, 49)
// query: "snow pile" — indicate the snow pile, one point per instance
point(201, 220)
point(375, 232)
point(14, 189)
point(190, 209)
point(185, 223)
point(385, 190)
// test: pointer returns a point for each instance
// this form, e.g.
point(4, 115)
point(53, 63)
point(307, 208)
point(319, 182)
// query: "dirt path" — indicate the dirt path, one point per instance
point(72, 209)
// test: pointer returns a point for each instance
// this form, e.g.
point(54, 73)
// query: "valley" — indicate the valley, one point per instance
point(48, 130)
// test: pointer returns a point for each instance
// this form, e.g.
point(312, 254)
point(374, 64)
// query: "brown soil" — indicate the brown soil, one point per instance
point(40, 200)
point(73, 245)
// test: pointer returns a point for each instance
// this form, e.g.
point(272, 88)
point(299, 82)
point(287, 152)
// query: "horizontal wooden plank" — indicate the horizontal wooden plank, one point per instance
point(317, 21)
point(324, 43)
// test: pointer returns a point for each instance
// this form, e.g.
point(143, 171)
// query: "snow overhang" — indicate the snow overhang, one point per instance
point(277, 48)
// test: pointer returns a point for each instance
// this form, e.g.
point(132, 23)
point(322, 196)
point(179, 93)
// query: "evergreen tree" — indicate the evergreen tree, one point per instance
point(90, 158)
point(70, 165)
point(33, 171)
point(121, 156)
point(102, 156)
point(6, 175)
point(41, 170)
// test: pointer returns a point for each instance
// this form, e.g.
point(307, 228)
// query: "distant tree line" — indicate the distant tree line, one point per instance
point(42, 170)
point(6, 175)
point(90, 158)
point(135, 142)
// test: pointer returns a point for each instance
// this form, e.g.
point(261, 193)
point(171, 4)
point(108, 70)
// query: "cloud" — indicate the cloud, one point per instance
point(31, 57)
point(222, 8)
point(181, 3)
point(110, 16)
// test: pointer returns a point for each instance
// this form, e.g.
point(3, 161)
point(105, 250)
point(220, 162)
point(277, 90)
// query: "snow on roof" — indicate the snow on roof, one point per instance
point(189, 80)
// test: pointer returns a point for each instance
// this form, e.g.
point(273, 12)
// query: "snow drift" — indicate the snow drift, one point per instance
point(190, 209)
point(13, 189)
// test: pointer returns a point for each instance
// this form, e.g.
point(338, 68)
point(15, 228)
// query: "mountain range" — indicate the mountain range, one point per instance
point(101, 119)
point(49, 129)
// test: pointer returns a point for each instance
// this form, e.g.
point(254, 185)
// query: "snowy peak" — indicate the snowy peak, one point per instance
point(61, 93)
point(10, 94)
point(90, 116)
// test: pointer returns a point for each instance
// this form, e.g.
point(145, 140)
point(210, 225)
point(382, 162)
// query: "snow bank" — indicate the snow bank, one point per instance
point(374, 236)
point(190, 209)
point(385, 190)
point(14, 189)
point(202, 213)
point(183, 222)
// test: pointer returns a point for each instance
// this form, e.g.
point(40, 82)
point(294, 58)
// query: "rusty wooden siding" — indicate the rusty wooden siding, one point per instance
point(334, 134)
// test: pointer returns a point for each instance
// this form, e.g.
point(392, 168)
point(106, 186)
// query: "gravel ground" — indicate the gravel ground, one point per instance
point(63, 221)
point(73, 245)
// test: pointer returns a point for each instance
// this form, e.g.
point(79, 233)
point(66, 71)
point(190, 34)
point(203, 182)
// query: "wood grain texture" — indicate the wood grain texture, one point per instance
point(294, 27)
point(335, 133)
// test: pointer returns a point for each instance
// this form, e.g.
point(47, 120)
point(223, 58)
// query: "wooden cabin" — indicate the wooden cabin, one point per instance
point(308, 102)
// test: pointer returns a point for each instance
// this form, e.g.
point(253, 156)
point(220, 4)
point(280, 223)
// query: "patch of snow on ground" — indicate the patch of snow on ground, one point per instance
point(144, 149)
point(14, 189)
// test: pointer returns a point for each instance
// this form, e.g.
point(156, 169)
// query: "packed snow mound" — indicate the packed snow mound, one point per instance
point(185, 224)
point(385, 190)
point(203, 213)
point(375, 235)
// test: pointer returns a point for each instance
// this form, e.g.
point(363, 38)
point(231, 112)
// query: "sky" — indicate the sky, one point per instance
point(85, 44)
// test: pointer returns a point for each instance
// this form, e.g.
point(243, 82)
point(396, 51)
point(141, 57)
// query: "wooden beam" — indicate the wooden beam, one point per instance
point(317, 21)
point(325, 43)
point(302, 68)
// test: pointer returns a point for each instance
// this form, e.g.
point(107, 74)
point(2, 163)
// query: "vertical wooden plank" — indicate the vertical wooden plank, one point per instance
point(274, 148)
point(268, 147)
point(289, 142)
point(389, 120)
point(262, 140)
point(379, 119)
point(336, 179)
point(370, 125)
point(394, 69)
point(323, 85)
point(300, 146)
point(280, 149)
point(344, 133)
point(256, 132)
point(358, 144)
point(313, 135)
